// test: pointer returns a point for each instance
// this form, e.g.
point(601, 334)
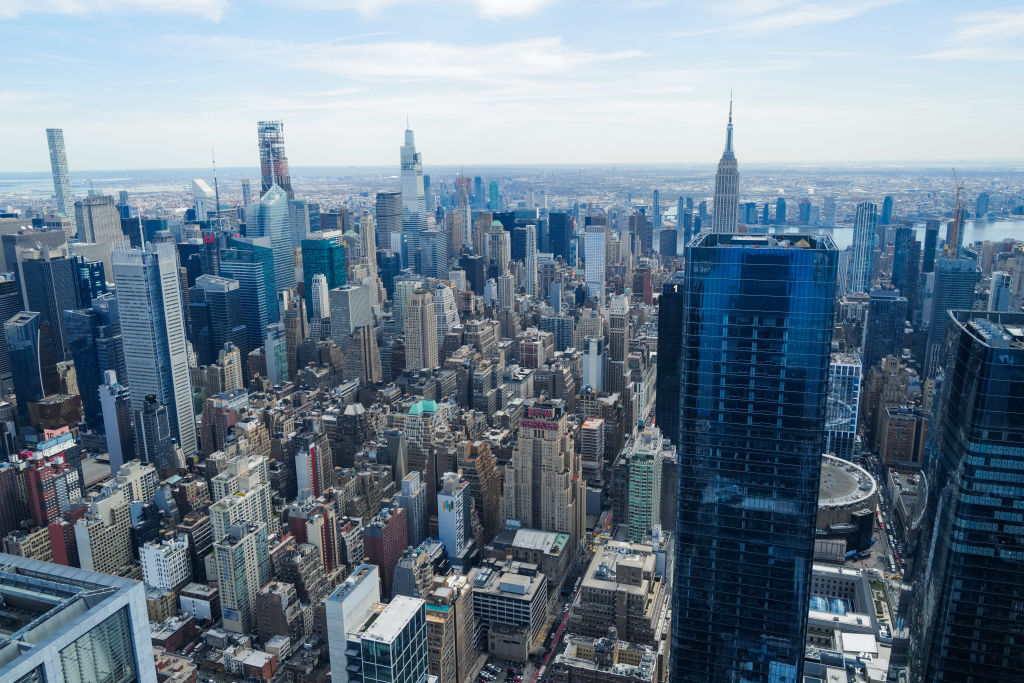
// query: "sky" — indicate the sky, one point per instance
point(159, 83)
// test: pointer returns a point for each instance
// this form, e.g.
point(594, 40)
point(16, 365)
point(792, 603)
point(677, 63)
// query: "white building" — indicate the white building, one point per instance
point(454, 519)
point(594, 357)
point(203, 199)
point(594, 239)
point(350, 308)
point(167, 564)
point(346, 609)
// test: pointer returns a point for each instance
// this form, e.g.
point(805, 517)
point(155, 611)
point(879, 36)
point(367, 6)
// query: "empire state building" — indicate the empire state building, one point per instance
point(727, 187)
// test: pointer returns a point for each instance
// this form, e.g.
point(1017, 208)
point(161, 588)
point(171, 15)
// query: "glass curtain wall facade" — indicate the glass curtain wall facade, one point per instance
point(968, 611)
point(757, 329)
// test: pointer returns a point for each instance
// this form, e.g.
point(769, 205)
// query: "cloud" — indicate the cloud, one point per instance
point(417, 61)
point(208, 9)
point(984, 36)
point(766, 16)
point(488, 9)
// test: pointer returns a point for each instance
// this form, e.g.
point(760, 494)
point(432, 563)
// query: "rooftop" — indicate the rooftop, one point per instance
point(389, 624)
point(843, 483)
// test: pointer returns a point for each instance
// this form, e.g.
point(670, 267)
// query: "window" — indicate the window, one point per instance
point(103, 655)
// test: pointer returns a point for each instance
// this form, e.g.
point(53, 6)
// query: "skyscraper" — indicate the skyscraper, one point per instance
point(323, 253)
point(59, 168)
point(863, 248)
point(883, 328)
point(749, 460)
point(243, 567)
point(906, 266)
point(955, 279)
point(669, 367)
point(420, 331)
point(269, 218)
point(153, 333)
point(50, 286)
point(970, 572)
point(780, 211)
point(116, 404)
point(454, 518)
point(256, 289)
point(273, 160)
point(931, 241)
point(24, 347)
point(560, 228)
point(544, 487)
point(319, 307)
point(844, 377)
point(414, 204)
point(727, 186)
point(886, 218)
point(388, 213)
point(531, 260)
point(594, 261)
point(656, 210)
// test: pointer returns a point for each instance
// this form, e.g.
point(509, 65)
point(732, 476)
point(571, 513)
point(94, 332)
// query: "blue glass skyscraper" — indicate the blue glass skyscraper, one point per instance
point(325, 254)
point(966, 619)
point(269, 218)
point(864, 225)
point(254, 292)
point(756, 332)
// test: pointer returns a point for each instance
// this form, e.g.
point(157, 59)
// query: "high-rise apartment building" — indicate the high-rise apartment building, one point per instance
point(242, 557)
point(544, 487)
point(273, 160)
point(864, 226)
point(595, 238)
point(970, 569)
point(645, 463)
point(421, 348)
point(530, 276)
point(166, 564)
point(454, 516)
point(153, 331)
point(59, 168)
point(886, 218)
point(727, 187)
point(749, 460)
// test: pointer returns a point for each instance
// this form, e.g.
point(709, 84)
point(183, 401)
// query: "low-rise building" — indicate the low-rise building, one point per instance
point(509, 600)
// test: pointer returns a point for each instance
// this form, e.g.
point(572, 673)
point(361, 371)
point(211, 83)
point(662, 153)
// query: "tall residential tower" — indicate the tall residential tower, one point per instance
point(59, 167)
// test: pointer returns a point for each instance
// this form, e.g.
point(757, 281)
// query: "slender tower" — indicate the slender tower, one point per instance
point(273, 160)
point(414, 203)
point(727, 186)
point(59, 166)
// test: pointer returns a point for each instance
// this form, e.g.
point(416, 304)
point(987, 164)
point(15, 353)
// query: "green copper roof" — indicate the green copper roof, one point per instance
point(423, 407)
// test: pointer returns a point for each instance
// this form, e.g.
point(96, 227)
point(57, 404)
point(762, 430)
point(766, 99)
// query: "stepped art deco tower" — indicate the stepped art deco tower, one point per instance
point(727, 186)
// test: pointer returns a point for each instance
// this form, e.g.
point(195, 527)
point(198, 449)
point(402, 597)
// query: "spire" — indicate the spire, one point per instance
point(729, 154)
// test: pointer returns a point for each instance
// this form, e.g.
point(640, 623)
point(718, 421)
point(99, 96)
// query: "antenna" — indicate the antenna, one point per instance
point(954, 247)
point(216, 188)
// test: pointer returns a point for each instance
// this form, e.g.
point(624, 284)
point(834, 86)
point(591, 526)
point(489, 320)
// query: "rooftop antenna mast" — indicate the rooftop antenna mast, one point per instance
point(954, 247)
point(216, 188)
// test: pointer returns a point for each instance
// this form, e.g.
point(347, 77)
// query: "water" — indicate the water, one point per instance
point(974, 231)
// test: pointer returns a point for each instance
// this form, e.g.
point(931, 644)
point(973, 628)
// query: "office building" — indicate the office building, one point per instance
point(98, 220)
point(384, 539)
point(68, 625)
point(94, 340)
point(971, 574)
point(864, 229)
point(931, 243)
point(116, 407)
point(886, 218)
point(669, 380)
point(23, 344)
point(346, 608)
point(216, 317)
point(153, 331)
point(59, 168)
point(350, 307)
point(906, 267)
point(324, 254)
point(421, 345)
point(50, 286)
point(509, 602)
point(413, 498)
point(454, 516)
point(154, 438)
point(727, 186)
point(273, 160)
point(269, 218)
point(243, 568)
point(999, 291)
point(743, 552)
point(595, 363)
point(844, 382)
point(391, 644)
point(544, 487)
point(414, 204)
point(104, 536)
point(883, 328)
point(256, 291)
point(955, 280)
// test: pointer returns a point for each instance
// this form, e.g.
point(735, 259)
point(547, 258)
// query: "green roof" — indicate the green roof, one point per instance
point(423, 407)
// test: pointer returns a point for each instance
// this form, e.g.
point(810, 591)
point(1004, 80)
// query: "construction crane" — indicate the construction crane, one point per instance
point(953, 249)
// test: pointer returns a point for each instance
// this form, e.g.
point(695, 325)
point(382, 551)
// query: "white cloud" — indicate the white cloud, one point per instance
point(984, 36)
point(418, 61)
point(988, 26)
point(975, 54)
point(208, 9)
point(488, 9)
point(765, 16)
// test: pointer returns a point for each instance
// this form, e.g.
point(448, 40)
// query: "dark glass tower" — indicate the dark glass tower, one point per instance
point(906, 267)
point(756, 332)
point(966, 621)
point(883, 329)
point(670, 329)
point(560, 228)
point(931, 238)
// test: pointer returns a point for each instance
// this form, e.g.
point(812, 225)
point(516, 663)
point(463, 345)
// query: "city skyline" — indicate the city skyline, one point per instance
point(861, 80)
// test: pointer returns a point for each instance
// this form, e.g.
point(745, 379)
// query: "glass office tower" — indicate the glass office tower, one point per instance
point(757, 329)
point(966, 621)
